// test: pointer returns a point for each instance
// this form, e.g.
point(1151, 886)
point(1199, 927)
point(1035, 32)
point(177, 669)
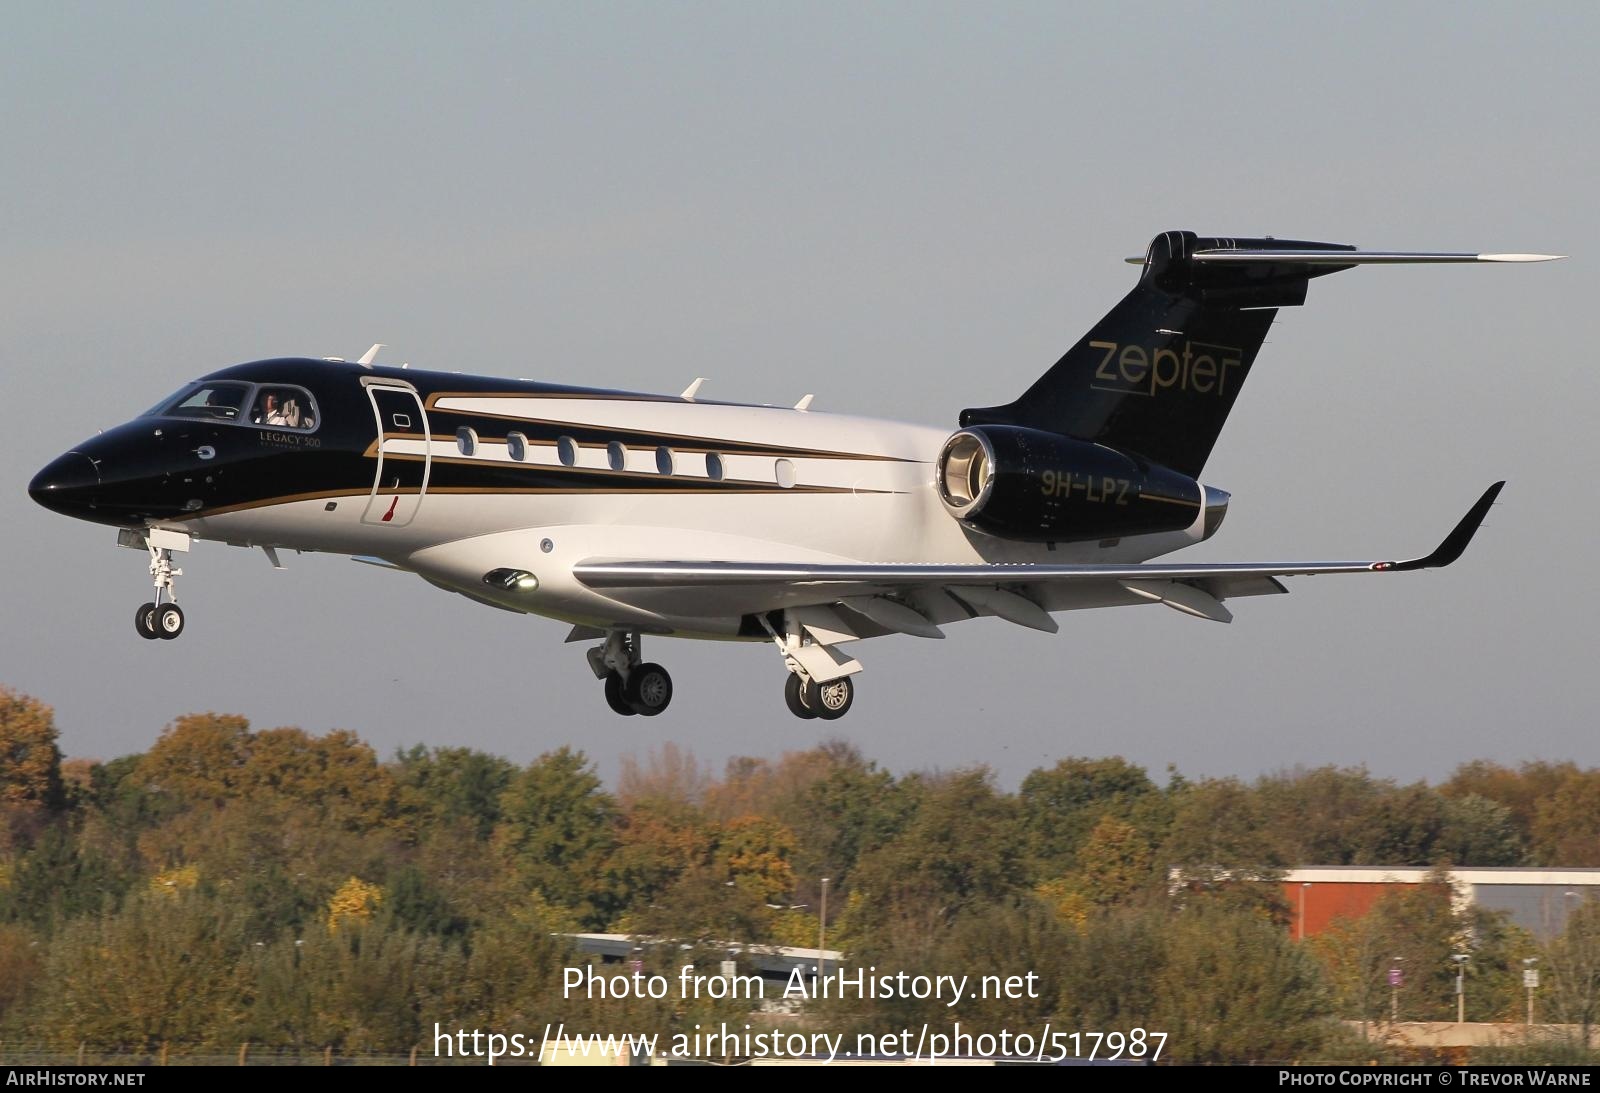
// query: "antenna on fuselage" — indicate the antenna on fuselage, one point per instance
point(371, 355)
point(690, 391)
point(804, 404)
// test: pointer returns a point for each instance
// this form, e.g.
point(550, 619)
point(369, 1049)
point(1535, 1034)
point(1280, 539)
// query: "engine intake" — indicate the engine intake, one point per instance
point(1028, 484)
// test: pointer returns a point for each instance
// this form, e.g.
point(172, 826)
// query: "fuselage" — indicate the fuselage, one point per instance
point(452, 476)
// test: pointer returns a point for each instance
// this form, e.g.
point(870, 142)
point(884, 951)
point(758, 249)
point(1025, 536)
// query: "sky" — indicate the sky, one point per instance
point(904, 208)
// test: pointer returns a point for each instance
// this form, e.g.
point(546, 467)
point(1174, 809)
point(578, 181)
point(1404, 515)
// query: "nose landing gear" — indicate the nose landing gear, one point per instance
point(161, 617)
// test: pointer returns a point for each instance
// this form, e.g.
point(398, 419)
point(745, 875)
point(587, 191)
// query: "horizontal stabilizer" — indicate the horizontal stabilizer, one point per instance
point(1352, 257)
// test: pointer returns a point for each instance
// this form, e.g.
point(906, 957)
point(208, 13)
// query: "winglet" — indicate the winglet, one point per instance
point(1456, 542)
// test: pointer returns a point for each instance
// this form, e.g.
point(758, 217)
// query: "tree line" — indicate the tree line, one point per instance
point(298, 893)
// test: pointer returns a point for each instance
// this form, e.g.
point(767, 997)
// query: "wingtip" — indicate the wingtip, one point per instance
point(1455, 544)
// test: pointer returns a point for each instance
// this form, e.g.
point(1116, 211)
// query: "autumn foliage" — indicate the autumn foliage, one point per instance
point(294, 891)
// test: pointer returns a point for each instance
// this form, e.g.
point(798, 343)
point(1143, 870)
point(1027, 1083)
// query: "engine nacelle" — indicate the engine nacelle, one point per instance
point(1028, 484)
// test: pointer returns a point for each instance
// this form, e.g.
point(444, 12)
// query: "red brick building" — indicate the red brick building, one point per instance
point(1538, 900)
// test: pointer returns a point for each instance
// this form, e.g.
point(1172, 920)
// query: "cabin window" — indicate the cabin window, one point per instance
point(616, 455)
point(517, 446)
point(783, 471)
point(664, 460)
point(714, 466)
point(567, 451)
point(466, 440)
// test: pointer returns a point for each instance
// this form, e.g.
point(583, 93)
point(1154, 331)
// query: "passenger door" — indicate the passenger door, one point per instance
point(405, 453)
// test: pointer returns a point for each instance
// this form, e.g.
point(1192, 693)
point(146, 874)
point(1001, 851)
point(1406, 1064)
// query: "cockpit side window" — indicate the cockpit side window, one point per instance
point(284, 408)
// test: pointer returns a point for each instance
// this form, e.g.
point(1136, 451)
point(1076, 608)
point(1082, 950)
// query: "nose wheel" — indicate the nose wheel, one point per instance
point(158, 621)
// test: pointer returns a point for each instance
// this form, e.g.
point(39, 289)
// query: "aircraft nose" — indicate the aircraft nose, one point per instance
point(67, 483)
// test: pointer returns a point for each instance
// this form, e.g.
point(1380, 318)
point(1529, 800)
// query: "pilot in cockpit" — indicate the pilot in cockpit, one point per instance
point(276, 408)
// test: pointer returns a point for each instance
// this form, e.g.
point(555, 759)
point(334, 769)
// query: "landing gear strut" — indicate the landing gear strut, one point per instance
point(632, 686)
point(161, 617)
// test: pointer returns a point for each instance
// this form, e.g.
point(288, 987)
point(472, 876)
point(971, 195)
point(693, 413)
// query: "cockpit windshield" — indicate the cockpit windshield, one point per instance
point(224, 401)
point(268, 405)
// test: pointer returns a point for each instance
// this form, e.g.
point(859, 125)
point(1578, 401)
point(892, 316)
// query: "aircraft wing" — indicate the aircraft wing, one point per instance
point(1196, 589)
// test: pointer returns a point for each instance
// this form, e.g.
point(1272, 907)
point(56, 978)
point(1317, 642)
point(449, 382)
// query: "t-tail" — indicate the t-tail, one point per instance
point(1157, 376)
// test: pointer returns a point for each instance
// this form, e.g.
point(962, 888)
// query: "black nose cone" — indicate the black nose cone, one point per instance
point(68, 485)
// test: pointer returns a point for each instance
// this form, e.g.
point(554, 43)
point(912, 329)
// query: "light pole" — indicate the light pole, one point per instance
point(1303, 887)
point(1530, 979)
point(1461, 986)
point(822, 927)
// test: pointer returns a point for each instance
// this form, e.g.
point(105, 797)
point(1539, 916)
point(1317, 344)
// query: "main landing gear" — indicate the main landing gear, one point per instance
point(808, 698)
point(632, 686)
point(161, 617)
point(819, 683)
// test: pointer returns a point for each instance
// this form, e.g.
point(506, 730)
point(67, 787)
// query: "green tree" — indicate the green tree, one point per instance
point(556, 831)
point(165, 969)
point(1571, 971)
point(1114, 862)
point(57, 879)
point(961, 849)
point(198, 758)
point(30, 761)
point(1061, 806)
point(21, 970)
point(1110, 977)
point(1520, 790)
point(1479, 832)
point(1566, 825)
point(1234, 988)
point(455, 785)
point(1421, 929)
point(366, 988)
point(1219, 825)
point(839, 816)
